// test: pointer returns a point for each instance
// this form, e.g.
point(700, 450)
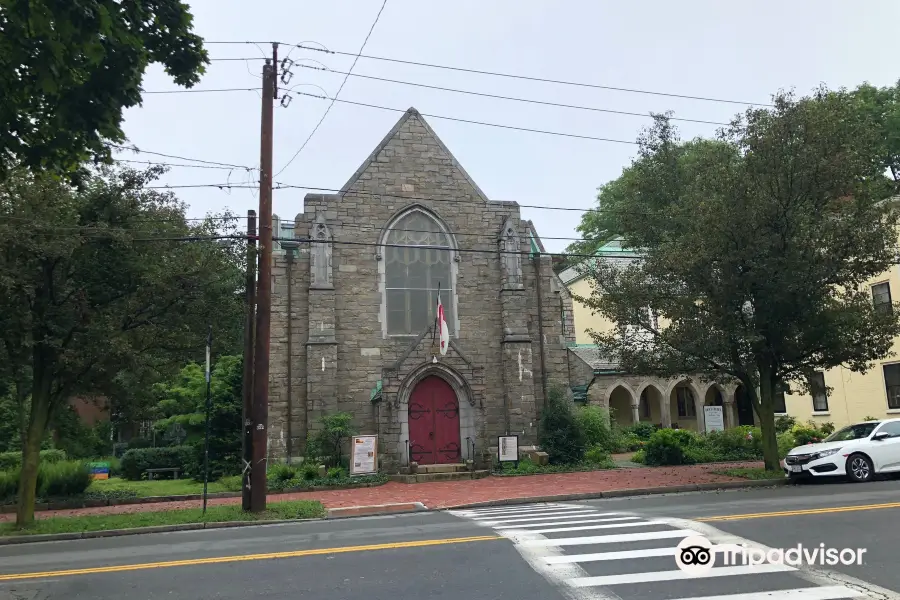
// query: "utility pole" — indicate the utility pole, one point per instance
point(249, 346)
point(258, 487)
point(208, 407)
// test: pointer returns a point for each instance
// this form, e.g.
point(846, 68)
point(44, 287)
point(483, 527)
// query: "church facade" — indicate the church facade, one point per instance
point(357, 277)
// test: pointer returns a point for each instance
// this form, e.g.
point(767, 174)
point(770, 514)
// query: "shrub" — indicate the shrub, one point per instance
point(280, 473)
point(597, 455)
point(135, 462)
point(640, 457)
point(232, 484)
point(806, 434)
point(337, 473)
point(64, 479)
point(9, 483)
point(786, 443)
point(561, 435)
point(594, 422)
point(642, 431)
point(10, 461)
point(328, 442)
point(139, 443)
point(669, 447)
point(827, 428)
point(784, 423)
point(739, 443)
point(310, 472)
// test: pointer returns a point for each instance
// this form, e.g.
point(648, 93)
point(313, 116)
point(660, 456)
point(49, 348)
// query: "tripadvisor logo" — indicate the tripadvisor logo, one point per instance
point(696, 555)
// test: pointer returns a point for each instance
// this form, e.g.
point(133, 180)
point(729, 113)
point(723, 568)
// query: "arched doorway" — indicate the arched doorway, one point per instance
point(434, 423)
point(620, 406)
point(744, 407)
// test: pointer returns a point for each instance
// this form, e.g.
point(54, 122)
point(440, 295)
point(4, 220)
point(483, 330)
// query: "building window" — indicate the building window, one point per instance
point(780, 403)
point(819, 392)
point(685, 399)
point(881, 297)
point(892, 385)
point(418, 261)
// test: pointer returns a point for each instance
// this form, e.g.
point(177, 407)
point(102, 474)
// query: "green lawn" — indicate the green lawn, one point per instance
point(157, 487)
point(297, 509)
point(759, 473)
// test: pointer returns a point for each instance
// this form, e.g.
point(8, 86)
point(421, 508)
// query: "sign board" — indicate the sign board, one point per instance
point(714, 418)
point(364, 455)
point(508, 448)
point(99, 470)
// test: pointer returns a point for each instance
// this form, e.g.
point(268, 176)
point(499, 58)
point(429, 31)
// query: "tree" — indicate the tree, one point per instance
point(98, 282)
point(182, 405)
point(756, 248)
point(69, 69)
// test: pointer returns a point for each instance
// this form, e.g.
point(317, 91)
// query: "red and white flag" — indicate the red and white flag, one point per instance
point(442, 324)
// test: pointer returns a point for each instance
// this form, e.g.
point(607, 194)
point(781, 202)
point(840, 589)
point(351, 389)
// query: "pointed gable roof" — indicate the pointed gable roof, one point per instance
point(411, 113)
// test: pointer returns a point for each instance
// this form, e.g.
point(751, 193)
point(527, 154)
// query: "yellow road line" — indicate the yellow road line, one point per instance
point(808, 511)
point(243, 558)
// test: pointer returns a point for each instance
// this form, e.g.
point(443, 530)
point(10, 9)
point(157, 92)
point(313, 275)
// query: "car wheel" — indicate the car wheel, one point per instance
point(859, 468)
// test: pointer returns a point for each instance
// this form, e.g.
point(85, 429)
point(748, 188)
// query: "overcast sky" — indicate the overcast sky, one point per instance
point(742, 51)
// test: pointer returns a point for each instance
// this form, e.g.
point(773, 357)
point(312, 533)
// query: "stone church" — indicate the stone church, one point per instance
point(354, 302)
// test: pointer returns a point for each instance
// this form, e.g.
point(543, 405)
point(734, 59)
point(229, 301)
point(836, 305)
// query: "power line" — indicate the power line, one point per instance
point(473, 122)
point(285, 186)
point(538, 79)
point(509, 75)
point(201, 91)
point(328, 110)
point(197, 160)
point(499, 97)
point(165, 164)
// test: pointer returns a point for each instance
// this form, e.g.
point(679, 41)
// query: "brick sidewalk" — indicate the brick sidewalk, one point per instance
point(456, 493)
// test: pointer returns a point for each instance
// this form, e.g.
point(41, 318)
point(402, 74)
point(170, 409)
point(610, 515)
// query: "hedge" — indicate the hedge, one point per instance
point(136, 462)
point(10, 461)
point(61, 479)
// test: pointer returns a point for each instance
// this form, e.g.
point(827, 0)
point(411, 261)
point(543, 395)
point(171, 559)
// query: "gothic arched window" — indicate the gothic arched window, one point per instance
point(418, 261)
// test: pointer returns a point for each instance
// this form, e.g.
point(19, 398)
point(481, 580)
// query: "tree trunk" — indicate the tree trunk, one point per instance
point(31, 452)
point(766, 411)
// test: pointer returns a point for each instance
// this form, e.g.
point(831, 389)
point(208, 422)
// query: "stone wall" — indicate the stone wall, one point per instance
point(339, 346)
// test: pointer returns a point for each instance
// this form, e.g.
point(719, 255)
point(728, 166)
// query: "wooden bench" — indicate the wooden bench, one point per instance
point(173, 470)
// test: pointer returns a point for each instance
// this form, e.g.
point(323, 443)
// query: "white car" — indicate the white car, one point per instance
point(857, 452)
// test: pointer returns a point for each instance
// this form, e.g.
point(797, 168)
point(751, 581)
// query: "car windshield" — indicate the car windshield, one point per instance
point(854, 432)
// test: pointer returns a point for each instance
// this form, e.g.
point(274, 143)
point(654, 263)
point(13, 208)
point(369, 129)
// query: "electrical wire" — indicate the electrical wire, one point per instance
point(473, 122)
point(196, 160)
point(512, 75)
point(499, 97)
point(201, 91)
point(328, 110)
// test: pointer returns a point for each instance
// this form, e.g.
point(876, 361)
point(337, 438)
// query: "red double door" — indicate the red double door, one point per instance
point(434, 423)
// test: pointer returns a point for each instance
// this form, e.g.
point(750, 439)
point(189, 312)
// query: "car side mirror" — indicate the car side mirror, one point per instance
point(880, 436)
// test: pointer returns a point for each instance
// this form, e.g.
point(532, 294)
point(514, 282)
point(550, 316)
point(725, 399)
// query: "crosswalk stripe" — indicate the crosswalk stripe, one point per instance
point(678, 574)
point(577, 522)
point(589, 527)
point(609, 539)
point(832, 592)
point(549, 511)
point(541, 517)
point(514, 508)
point(620, 555)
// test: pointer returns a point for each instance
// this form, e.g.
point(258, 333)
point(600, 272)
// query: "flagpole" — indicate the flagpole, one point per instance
point(435, 325)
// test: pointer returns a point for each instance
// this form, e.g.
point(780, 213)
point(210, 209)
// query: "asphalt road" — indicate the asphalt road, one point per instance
point(608, 549)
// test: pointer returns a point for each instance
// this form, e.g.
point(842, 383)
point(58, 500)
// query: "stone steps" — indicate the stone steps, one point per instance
point(451, 468)
point(439, 476)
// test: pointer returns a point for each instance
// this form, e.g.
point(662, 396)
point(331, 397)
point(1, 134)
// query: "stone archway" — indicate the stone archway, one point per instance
point(465, 400)
point(621, 403)
point(685, 404)
point(652, 396)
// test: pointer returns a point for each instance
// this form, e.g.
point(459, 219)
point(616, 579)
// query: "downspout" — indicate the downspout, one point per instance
point(540, 306)
point(290, 353)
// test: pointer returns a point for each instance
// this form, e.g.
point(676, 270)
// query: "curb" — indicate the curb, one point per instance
point(674, 489)
point(378, 509)
point(87, 535)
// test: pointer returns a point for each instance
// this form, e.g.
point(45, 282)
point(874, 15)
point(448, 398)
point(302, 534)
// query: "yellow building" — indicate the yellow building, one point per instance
point(850, 398)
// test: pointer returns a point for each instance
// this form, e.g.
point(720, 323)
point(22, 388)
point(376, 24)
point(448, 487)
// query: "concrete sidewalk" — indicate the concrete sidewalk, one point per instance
point(459, 493)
